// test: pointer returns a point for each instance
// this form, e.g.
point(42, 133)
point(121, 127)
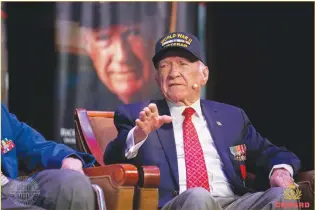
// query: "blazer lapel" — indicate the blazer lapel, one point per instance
point(217, 133)
point(166, 137)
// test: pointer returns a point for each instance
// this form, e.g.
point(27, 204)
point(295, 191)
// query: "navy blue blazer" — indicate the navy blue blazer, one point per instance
point(159, 148)
point(24, 148)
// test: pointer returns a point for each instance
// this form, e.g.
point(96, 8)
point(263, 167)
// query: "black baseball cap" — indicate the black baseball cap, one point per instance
point(178, 40)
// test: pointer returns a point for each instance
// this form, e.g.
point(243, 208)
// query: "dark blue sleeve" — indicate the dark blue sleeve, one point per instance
point(35, 151)
point(115, 150)
point(263, 153)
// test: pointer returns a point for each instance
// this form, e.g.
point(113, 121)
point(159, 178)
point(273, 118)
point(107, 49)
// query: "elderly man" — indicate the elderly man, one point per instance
point(201, 147)
point(23, 148)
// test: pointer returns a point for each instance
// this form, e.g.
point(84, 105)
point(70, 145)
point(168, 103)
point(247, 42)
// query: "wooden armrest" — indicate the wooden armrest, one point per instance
point(147, 190)
point(119, 174)
point(305, 180)
point(118, 182)
point(149, 177)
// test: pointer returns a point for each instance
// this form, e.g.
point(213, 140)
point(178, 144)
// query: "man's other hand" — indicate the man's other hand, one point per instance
point(148, 121)
point(281, 178)
point(72, 163)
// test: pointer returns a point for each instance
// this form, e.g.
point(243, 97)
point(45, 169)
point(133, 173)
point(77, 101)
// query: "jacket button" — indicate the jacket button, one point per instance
point(175, 193)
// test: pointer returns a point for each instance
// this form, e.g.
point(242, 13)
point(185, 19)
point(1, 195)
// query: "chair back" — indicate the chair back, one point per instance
point(94, 130)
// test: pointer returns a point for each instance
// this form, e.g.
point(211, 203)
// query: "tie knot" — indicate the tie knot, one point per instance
point(188, 112)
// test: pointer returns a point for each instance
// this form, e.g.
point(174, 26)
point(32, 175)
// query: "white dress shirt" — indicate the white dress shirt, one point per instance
point(219, 185)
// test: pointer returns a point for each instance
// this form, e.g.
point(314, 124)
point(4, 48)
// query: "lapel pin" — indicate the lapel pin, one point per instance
point(219, 123)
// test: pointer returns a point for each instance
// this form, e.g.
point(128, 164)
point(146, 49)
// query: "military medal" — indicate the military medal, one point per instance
point(6, 145)
point(239, 153)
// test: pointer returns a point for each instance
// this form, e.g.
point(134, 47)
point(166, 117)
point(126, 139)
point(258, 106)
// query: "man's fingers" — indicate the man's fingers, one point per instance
point(147, 112)
point(281, 180)
point(142, 116)
point(150, 120)
point(165, 119)
point(290, 180)
point(287, 183)
point(81, 171)
point(153, 108)
point(139, 123)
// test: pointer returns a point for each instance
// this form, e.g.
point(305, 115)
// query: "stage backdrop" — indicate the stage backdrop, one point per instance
point(104, 54)
point(4, 58)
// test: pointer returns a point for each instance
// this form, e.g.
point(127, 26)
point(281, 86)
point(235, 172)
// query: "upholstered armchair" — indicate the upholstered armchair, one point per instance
point(124, 187)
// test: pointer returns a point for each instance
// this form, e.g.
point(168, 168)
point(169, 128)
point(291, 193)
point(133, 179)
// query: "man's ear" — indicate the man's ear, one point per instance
point(205, 75)
point(157, 79)
point(87, 36)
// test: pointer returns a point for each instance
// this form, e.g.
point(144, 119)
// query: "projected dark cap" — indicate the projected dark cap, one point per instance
point(103, 14)
point(178, 40)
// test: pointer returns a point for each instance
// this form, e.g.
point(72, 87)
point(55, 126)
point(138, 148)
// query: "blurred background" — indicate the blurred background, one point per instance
point(61, 56)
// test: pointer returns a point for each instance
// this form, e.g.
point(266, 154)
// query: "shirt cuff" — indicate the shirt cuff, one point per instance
point(285, 166)
point(131, 150)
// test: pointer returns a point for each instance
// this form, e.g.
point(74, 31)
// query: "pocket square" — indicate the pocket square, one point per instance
point(6, 145)
point(239, 152)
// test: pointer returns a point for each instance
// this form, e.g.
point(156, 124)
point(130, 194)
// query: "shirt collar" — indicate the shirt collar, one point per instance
point(177, 110)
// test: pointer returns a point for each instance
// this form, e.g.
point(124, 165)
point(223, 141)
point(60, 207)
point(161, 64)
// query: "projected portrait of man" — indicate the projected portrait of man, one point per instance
point(105, 51)
point(120, 60)
point(119, 46)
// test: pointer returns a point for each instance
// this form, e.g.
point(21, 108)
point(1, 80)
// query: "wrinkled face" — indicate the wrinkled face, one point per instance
point(120, 57)
point(178, 73)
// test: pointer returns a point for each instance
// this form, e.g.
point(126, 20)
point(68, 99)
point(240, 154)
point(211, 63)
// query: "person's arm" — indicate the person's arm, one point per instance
point(35, 151)
point(265, 154)
point(116, 149)
point(125, 147)
point(132, 149)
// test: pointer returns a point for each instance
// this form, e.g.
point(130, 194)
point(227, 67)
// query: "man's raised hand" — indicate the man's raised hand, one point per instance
point(149, 120)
